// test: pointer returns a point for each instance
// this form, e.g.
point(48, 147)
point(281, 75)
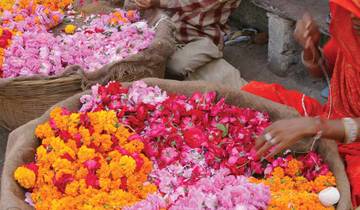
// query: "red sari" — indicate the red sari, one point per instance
point(343, 55)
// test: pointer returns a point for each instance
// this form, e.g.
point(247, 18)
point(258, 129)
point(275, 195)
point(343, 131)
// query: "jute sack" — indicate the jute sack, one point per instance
point(22, 142)
point(25, 98)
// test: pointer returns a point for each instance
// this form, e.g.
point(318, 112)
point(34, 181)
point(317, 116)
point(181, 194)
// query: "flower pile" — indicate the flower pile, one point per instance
point(199, 151)
point(102, 39)
point(223, 191)
point(222, 133)
point(86, 161)
point(19, 16)
point(295, 183)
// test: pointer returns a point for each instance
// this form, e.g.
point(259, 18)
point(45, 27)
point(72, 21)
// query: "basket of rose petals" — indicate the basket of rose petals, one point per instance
point(161, 144)
point(50, 51)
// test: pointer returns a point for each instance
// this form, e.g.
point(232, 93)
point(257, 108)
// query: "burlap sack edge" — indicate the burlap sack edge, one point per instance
point(21, 143)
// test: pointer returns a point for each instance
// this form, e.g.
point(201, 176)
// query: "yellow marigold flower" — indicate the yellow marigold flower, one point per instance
point(85, 153)
point(74, 119)
point(85, 134)
point(106, 142)
point(114, 155)
point(71, 144)
point(134, 146)
point(127, 165)
point(124, 167)
point(70, 29)
point(44, 131)
point(105, 184)
point(72, 188)
point(41, 153)
point(81, 173)
point(25, 177)
point(63, 165)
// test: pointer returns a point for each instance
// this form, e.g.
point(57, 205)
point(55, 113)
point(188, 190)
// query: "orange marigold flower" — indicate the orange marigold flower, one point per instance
point(294, 167)
point(124, 167)
point(44, 131)
point(278, 172)
point(85, 153)
point(134, 146)
point(25, 177)
point(72, 188)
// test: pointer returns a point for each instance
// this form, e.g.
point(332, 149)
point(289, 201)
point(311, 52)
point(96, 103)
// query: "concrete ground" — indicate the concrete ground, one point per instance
point(251, 60)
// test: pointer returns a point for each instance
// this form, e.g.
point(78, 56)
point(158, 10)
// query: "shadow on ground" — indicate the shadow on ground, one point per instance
point(251, 60)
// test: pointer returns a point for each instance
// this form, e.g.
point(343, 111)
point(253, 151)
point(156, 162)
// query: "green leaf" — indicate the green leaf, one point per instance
point(223, 128)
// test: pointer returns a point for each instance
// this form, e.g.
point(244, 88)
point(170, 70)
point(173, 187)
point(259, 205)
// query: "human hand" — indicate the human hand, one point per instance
point(307, 28)
point(308, 36)
point(145, 4)
point(285, 133)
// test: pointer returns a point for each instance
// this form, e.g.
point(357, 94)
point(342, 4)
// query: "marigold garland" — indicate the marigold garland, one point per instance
point(86, 161)
point(290, 190)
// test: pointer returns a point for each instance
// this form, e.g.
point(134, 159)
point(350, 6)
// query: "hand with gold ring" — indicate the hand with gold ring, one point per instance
point(284, 133)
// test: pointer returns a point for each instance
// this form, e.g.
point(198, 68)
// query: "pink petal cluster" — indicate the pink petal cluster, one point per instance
point(140, 92)
point(41, 52)
point(33, 21)
point(224, 192)
point(224, 134)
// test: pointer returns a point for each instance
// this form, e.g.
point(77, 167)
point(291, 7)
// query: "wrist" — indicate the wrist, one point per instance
point(316, 129)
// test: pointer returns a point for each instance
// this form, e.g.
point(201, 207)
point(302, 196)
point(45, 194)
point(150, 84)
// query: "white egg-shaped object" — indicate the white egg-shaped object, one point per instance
point(329, 196)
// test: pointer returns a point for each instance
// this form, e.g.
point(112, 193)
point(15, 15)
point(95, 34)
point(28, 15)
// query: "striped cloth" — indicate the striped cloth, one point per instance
point(200, 18)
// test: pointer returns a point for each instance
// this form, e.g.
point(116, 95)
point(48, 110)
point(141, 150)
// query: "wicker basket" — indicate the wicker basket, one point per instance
point(25, 98)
